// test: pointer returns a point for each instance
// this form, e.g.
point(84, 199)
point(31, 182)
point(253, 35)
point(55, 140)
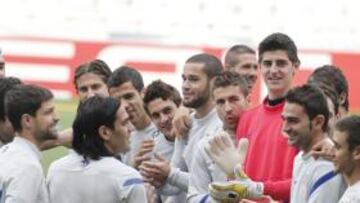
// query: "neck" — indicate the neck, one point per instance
point(204, 109)
point(232, 133)
point(354, 177)
point(277, 94)
point(143, 123)
point(317, 137)
point(28, 136)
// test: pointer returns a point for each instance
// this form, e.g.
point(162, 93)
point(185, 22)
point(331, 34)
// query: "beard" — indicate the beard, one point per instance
point(198, 102)
point(49, 134)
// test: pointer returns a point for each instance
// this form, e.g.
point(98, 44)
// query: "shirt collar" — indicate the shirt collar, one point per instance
point(27, 145)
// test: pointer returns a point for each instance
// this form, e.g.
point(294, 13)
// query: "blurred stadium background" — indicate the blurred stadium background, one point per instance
point(44, 40)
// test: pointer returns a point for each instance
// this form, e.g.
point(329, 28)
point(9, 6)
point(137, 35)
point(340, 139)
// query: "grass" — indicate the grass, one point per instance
point(66, 111)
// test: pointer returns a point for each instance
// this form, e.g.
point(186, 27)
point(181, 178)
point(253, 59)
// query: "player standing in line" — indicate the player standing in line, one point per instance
point(31, 111)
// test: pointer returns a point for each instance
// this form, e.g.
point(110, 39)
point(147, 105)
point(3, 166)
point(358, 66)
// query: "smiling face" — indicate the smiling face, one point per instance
point(45, 122)
point(278, 72)
point(195, 86)
point(230, 104)
point(297, 126)
point(162, 113)
point(132, 101)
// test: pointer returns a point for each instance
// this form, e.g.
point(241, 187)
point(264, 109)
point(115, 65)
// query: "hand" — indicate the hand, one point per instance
point(150, 193)
point(223, 152)
point(144, 152)
point(254, 189)
point(181, 122)
point(324, 149)
point(234, 191)
point(156, 172)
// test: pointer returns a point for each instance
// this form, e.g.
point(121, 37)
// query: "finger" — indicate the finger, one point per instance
point(149, 172)
point(243, 148)
point(317, 147)
point(160, 158)
point(183, 128)
point(226, 139)
point(187, 122)
point(144, 151)
point(146, 143)
point(219, 143)
point(212, 148)
point(316, 154)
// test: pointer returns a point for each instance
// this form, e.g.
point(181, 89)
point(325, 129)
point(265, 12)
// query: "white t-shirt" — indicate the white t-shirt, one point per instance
point(204, 171)
point(136, 137)
point(164, 147)
point(306, 173)
point(352, 194)
point(72, 179)
point(178, 180)
point(21, 175)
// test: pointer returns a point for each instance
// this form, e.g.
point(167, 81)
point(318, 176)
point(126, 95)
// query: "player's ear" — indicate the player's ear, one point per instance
point(318, 122)
point(104, 132)
point(26, 121)
point(356, 153)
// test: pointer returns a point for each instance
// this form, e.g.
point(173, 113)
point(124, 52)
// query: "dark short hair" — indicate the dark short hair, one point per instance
point(212, 65)
point(96, 66)
point(160, 89)
point(279, 41)
point(332, 76)
point(228, 78)
point(231, 58)
point(125, 74)
point(312, 100)
point(351, 126)
point(24, 99)
point(91, 115)
point(329, 92)
point(5, 85)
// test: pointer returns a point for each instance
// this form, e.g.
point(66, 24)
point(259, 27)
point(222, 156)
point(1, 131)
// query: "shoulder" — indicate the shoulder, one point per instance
point(116, 168)
point(65, 161)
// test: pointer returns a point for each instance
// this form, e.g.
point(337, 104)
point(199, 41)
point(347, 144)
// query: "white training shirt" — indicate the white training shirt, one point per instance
point(183, 156)
point(136, 137)
point(352, 194)
point(72, 179)
point(203, 171)
point(21, 175)
point(164, 147)
point(306, 172)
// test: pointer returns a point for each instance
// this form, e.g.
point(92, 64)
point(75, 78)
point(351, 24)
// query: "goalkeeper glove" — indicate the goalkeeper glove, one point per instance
point(223, 152)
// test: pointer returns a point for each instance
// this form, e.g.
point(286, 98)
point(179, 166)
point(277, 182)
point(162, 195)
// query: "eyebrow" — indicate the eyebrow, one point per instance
point(334, 142)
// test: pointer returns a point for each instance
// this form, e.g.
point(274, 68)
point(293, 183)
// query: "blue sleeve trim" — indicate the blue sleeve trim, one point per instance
point(321, 181)
point(203, 200)
point(133, 181)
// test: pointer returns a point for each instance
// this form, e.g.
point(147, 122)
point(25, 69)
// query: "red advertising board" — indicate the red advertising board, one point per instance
point(51, 62)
